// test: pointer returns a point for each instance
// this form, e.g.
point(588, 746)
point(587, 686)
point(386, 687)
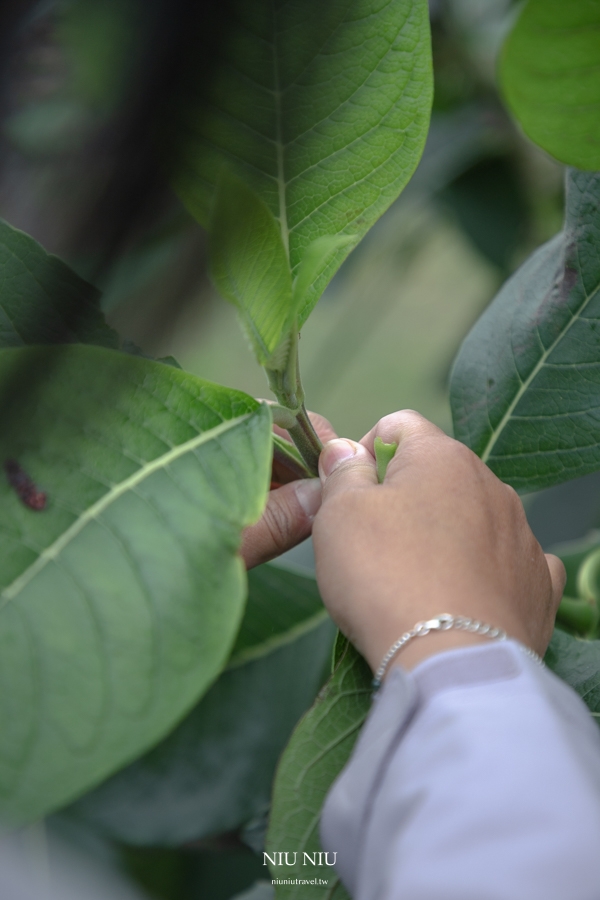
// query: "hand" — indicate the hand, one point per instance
point(289, 513)
point(441, 534)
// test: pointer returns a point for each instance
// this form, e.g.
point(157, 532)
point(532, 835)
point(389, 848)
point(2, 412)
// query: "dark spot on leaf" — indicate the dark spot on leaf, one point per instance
point(569, 280)
point(490, 383)
point(23, 486)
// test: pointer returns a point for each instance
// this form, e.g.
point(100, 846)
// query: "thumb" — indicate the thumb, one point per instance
point(345, 465)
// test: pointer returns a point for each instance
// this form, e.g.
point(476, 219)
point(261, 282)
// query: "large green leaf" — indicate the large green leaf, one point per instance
point(282, 606)
point(215, 771)
point(121, 600)
point(250, 267)
point(578, 663)
point(322, 109)
point(319, 749)
point(551, 80)
point(525, 389)
point(42, 301)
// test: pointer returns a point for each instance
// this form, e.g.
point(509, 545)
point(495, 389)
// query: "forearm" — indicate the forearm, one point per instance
point(476, 778)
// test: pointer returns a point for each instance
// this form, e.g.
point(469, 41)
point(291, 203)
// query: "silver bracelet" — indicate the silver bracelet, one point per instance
point(443, 623)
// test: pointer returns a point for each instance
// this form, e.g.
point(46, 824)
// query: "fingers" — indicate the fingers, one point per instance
point(323, 427)
point(558, 577)
point(345, 465)
point(401, 426)
point(286, 521)
point(406, 428)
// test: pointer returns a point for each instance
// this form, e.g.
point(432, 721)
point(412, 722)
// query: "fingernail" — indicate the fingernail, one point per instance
point(308, 493)
point(334, 453)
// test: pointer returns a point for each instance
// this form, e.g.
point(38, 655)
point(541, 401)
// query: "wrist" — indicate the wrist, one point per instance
point(432, 644)
point(409, 645)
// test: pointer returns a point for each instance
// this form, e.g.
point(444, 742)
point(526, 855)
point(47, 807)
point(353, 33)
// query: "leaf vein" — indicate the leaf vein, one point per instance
point(52, 551)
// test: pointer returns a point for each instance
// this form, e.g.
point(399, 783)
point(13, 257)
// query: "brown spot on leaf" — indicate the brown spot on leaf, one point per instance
point(24, 487)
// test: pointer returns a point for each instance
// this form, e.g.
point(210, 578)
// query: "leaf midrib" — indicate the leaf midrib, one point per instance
point(536, 369)
point(269, 645)
point(279, 145)
point(93, 511)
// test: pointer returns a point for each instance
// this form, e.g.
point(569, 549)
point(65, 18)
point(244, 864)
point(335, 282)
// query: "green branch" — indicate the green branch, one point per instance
point(286, 384)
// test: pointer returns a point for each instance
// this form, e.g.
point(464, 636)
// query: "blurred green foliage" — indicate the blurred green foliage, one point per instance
point(387, 329)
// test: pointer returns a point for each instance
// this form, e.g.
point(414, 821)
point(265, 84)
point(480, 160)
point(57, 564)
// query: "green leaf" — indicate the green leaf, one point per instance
point(525, 389)
point(551, 80)
point(249, 265)
point(288, 465)
point(215, 771)
point(282, 606)
point(316, 754)
point(321, 108)
point(213, 870)
point(314, 261)
point(42, 301)
point(120, 601)
point(577, 662)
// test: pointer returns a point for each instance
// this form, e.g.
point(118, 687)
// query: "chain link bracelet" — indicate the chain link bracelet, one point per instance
point(444, 622)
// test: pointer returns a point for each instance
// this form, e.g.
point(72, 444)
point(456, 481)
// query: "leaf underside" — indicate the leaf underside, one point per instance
point(551, 80)
point(215, 771)
point(318, 750)
point(282, 605)
point(120, 601)
point(578, 663)
point(249, 265)
point(322, 109)
point(525, 388)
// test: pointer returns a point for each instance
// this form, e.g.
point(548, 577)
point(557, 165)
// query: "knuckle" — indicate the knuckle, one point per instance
point(279, 525)
point(517, 508)
point(463, 454)
point(558, 572)
point(404, 418)
point(461, 458)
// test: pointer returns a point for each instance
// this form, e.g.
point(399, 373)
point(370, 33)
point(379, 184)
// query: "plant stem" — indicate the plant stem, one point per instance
point(287, 387)
point(306, 440)
point(288, 465)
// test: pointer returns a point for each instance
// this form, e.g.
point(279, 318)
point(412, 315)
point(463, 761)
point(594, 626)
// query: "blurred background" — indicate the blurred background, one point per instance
point(89, 119)
point(89, 105)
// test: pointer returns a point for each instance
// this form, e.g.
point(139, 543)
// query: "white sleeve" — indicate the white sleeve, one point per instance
point(476, 777)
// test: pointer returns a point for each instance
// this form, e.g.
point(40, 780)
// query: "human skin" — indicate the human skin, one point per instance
point(290, 511)
point(442, 534)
